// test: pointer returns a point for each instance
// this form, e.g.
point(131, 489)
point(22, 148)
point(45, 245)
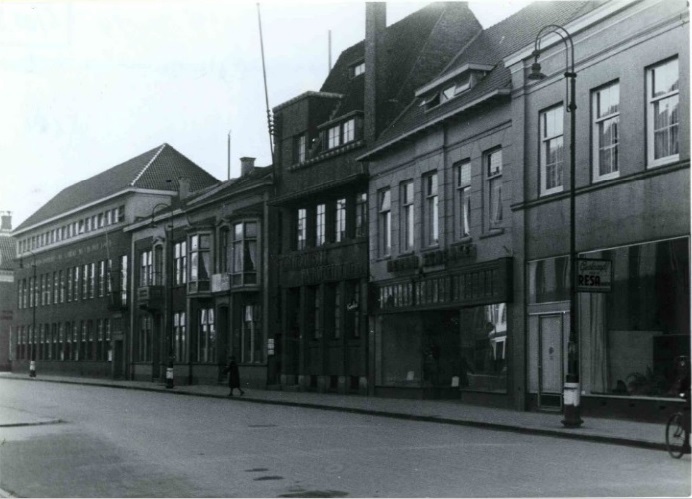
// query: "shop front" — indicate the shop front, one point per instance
point(445, 335)
point(629, 336)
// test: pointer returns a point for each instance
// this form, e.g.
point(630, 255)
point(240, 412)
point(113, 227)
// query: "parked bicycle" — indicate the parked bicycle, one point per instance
point(678, 426)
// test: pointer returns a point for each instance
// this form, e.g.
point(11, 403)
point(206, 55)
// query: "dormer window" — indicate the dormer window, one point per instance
point(342, 133)
point(357, 69)
point(451, 85)
point(334, 137)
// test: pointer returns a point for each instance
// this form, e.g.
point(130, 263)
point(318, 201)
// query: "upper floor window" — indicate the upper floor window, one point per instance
point(357, 69)
point(200, 260)
point(123, 278)
point(606, 121)
point(340, 220)
point(384, 228)
point(320, 225)
point(334, 137)
point(300, 148)
point(407, 215)
point(180, 257)
point(245, 253)
point(493, 160)
point(551, 150)
point(301, 229)
point(146, 268)
point(361, 228)
point(431, 223)
point(349, 129)
point(462, 173)
point(662, 95)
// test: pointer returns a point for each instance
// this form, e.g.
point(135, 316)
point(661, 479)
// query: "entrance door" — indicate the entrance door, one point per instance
point(550, 361)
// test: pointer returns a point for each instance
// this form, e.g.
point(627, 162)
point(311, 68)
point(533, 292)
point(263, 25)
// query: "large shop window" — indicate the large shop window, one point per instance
point(245, 253)
point(631, 336)
point(251, 336)
point(200, 261)
point(206, 344)
point(549, 280)
point(484, 350)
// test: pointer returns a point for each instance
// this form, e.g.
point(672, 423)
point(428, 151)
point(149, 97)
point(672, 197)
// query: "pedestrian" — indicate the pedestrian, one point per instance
point(233, 376)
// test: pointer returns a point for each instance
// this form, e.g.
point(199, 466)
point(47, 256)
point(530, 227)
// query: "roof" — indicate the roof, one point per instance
point(157, 169)
point(228, 187)
point(418, 47)
point(488, 48)
point(8, 248)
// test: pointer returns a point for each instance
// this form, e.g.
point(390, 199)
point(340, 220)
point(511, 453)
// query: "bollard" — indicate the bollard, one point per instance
point(32, 369)
point(571, 399)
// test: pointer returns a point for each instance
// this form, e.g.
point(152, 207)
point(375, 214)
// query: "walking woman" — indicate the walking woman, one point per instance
point(233, 376)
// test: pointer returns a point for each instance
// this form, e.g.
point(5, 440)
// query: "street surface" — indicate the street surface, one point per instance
point(128, 443)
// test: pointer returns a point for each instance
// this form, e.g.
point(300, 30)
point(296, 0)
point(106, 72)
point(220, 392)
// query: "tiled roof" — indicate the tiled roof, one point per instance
point(490, 47)
point(224, 188)
point(158, 169)
point(417, 47)
point(8, 248)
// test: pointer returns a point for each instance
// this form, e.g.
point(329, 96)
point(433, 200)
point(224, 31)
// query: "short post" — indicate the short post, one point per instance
point(169, 373)
point(32, 369)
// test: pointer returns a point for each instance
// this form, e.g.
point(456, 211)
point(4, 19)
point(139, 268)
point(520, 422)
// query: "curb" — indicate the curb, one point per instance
point(527, 430)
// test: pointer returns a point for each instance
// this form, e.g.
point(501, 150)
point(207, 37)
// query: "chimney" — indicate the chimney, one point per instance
point(183, 187)
point(246, 165)
point(5, 222)
point(375, 70)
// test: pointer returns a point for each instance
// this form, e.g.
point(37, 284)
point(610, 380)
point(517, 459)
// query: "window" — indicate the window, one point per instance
point(385, 222)
point(352, 319)
point(551, 152)
point(180, 336)
point(245, 253)
point(606, 116)
point(206, 346)
point(484, 348)
point(361, 228)
point(123, 279)
point(340, 220)
point(61, 278)
point(102, 278)
point(300, 148)
point(252, 346)
point(455, 89)
point(358, 69)
point(85, 282)
point(662, 95)
point(76, 284)
point(320, 225)
point(144, 339)
point(334, 137)
point(462, 173)
point(493, 160)
point(199, 262)
point(180, 257)
point(56, 292)
point(431, 216)
point(92, 280)
point(407, 219)
point(146, 269)
point(349, 130)
point(301, 229)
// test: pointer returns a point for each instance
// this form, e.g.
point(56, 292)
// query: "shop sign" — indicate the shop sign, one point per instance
point(594, 276)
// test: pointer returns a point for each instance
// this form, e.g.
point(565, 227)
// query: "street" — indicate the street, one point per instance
point(127, 443)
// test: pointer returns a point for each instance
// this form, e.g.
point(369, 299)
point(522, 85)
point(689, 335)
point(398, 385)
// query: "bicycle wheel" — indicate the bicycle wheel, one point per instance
point(675, 435)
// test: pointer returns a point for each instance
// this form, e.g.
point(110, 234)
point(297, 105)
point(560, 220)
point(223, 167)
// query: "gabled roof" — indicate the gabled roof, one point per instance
point(417, 47)
point(488, 48)
point(157, 169)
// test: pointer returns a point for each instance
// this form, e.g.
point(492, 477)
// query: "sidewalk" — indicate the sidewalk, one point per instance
point(611, 431)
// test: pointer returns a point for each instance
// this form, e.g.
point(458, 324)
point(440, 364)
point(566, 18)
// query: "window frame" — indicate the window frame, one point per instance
point(494, 178)
point(408, 217)
point(597, 122)
point(545, 140)
point(240, 243)
point(384, 222)
point(462, 191)
point(651, 101)
point(431, 209)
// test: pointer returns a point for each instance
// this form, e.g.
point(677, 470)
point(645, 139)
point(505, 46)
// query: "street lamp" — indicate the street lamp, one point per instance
point(571, 392)
point(169, 282)
point(32, 355)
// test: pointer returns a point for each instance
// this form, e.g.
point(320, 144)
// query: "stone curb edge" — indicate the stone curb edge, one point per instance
point(629, 442)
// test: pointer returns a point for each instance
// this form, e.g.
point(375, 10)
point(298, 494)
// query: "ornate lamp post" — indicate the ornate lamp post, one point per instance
point(572, 391)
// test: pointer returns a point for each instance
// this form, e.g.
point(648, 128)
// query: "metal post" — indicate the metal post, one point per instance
point(32, 361)
point(169, 318)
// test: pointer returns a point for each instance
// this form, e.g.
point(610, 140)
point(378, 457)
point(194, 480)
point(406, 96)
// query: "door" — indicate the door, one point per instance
point(550, 348)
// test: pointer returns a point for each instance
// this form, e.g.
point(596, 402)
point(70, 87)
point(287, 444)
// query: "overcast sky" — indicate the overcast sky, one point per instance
point(85, 86)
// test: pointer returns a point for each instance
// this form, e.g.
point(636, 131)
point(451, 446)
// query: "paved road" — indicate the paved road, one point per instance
point(121, 443)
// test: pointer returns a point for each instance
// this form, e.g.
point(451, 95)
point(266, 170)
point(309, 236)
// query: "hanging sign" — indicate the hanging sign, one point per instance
point(594, 276)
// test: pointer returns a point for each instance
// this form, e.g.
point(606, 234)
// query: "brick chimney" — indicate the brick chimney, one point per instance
point(5, 222)
point(246, 165)
point(183, 187)
point(375, 66)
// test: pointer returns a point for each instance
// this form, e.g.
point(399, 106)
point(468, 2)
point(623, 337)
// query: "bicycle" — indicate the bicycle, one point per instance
point(678, 425)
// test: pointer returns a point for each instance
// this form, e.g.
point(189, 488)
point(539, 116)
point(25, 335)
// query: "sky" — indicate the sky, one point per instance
point(87, 85)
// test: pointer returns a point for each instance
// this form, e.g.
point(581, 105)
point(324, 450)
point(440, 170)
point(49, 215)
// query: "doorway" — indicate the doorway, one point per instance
point(550, 361)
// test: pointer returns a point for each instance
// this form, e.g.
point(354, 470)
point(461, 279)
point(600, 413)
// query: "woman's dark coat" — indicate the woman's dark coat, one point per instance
point(233, 374)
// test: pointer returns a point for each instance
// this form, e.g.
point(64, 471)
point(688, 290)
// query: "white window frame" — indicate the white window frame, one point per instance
point(349, 131)
point(407, 215)
point(384, 207)
point(652, 102)
point(612, 114)
point(340, 220)
point(463, 194)
point(334, 137)
point(494, 176)
point(431, 218)
point(545, 137)
point(301, 228)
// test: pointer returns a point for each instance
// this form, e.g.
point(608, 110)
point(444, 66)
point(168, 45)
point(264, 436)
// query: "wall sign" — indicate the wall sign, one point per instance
point(594, 276)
